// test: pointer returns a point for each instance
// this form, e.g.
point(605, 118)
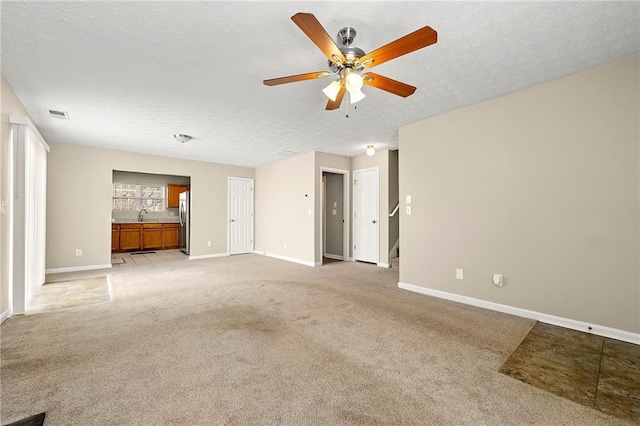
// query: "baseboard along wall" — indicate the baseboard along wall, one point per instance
point(6, 314)
point(333, 256)
point(76, 268)
point(208, 256)
point(599, 330)
point(289, 259)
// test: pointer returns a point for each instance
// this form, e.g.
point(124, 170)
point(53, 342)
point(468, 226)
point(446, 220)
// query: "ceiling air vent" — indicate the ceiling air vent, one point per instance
point(59, 114)
point(287, 152)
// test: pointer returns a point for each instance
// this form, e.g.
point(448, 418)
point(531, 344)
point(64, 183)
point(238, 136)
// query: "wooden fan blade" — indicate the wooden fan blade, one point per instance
point(316, 32)
point(388, 84)
point(294, 78)
point(416, 40)
point(331, 105)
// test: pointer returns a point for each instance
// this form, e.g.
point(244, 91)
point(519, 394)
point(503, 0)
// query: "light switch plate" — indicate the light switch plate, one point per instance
point(459, 274)
point(408, 199)
point(408, 210)
point(335, 204)
point(334, 212)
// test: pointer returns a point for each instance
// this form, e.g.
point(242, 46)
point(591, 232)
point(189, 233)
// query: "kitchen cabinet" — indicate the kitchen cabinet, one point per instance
point(170, 235)
point(144, 236)
point(130, 236)
point(115, 237)
point(173, 194)
point(152, 236)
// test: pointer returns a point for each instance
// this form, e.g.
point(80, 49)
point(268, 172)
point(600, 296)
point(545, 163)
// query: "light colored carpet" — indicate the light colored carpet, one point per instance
point(254, 340)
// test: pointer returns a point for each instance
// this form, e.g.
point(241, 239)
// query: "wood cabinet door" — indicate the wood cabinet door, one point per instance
point(115, 237)
point(173, 194)
point(130, 237)
point(152, 236)
point(170, 236)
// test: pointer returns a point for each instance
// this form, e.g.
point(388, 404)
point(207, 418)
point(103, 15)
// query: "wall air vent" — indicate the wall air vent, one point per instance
point(59, 114)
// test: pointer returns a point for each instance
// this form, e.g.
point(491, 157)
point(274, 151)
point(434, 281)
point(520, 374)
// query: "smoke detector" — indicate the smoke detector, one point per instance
point(182, 138)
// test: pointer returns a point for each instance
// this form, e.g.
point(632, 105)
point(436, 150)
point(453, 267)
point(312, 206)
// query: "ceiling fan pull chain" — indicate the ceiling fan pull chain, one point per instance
point(348, 103)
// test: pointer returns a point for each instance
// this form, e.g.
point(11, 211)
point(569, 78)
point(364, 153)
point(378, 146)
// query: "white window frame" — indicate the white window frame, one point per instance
point(138, 197)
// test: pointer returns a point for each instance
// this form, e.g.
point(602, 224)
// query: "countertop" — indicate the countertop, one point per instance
point(147, 220)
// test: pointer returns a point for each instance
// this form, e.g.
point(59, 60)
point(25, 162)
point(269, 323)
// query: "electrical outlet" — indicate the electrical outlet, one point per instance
point(460, 274)
point(78, 252)
point(285, 245)
point(497, 280)
point(208, 243)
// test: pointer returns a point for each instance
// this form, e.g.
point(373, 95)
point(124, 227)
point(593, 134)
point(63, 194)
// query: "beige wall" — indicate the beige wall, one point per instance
point(380, 160)
point(79, 201)
point(10, 105)
point(334, 194)
point(541, 185)
point(284, 208)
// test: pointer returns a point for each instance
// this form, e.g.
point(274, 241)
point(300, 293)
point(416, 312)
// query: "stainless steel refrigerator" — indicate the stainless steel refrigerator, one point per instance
point(185, 217)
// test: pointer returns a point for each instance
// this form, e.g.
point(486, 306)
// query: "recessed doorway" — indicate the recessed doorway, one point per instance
point(334, 223)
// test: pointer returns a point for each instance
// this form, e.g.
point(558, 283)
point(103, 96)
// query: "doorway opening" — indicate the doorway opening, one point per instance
point(335, 215)
point(147, 214)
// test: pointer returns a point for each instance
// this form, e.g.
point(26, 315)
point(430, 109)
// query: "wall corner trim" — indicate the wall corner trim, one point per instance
point(208, 256)
point(599, 330)
point(288, 259)
point(6, 314)
point(77, 268)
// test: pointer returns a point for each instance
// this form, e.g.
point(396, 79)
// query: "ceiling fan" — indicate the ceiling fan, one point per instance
point(348, 62)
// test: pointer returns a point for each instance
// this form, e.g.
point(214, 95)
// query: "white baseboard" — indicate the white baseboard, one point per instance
point(599, 330)
point(384, 265)
point(333, 256)
point(288, 259)
point(6, 314)
point(208, 256)
point(76, 268)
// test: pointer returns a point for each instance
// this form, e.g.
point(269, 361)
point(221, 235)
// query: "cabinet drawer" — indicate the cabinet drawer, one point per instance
point(152, 226)
point(130, 226)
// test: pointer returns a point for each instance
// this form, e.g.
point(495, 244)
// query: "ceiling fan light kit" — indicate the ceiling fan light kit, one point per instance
point(332, 90)
point(349, 61)
point(356, 96)
point(370, 150)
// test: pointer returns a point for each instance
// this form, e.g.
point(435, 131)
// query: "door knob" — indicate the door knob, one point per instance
point(233, 220)
point(373, 221)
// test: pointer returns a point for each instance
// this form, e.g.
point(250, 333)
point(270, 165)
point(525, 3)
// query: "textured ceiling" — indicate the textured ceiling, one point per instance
point(131, 74)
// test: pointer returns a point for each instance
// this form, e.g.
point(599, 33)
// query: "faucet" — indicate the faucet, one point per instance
point(140, 214)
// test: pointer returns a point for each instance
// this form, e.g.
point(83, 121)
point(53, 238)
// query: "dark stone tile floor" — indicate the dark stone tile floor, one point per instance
point(596, 371)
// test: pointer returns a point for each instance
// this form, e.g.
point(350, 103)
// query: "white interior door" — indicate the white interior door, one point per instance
point(365, 216)
point(240, 215)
